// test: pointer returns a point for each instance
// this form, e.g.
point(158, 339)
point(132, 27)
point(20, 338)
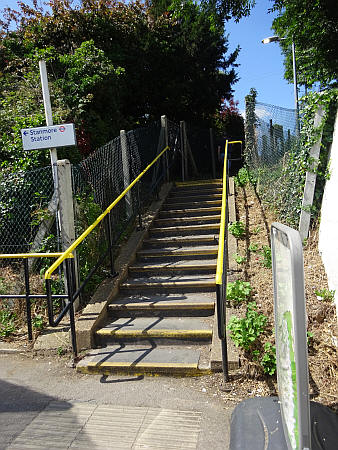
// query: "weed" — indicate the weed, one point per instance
point(268, 360)
point(38, 322)
point(237, 229)
point(238, 291)
point(325, 294)
point(239, 259)
point(253, 248)
point(309, 336)
point(242, 178)
point(266, 253)
point(7, 319)
point(60, 351)
point(245, 331)
point(256, 230)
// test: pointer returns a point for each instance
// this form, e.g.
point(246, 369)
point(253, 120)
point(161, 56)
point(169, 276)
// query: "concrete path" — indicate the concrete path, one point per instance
point(47, 405)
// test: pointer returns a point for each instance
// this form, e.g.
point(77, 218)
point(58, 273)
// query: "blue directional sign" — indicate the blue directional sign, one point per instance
point(48, 137)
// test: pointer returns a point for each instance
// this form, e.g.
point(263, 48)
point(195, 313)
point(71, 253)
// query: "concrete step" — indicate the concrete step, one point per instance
point(174, 267)
point(164, 330)
point(169, 304)
point(185, 230)
point(168, 253)
point(181, 241)
point(212, 181)
point(208, 211)
point(145, 359)
point(187, 220)
point(171, 283)
point(191, 204)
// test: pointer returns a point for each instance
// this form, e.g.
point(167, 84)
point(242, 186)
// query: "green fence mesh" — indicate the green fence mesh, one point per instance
point(272, 145)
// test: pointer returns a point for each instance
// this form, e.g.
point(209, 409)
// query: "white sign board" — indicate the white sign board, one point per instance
point(290, 331)
point(48, 137)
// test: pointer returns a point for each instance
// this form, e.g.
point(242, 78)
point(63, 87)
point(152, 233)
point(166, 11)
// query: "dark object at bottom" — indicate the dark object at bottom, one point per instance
point(256, 424)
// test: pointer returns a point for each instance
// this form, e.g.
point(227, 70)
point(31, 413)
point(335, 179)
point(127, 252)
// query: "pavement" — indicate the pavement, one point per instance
point(45, 403)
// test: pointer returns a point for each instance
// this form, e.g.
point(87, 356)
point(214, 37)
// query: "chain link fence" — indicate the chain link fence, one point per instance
point(272, 146)
point(26, 198)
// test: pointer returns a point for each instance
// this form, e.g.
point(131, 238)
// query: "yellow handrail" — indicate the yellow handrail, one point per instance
point(220, 255)
point(78, 241)
point(32, 255)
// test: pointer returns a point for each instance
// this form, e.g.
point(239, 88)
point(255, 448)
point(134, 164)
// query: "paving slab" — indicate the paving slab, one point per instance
point(110, 427)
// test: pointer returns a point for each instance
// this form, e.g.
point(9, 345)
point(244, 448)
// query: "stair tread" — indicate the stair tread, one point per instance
point(174, 240)
point(164, 300)
point(138, 325)
point(169, 279)
point(189, 219)
point(145, 355)
point(176, 265)
point(211, 226)
point(179, 250)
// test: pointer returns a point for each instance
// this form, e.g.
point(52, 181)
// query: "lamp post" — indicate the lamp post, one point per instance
point(294, 67)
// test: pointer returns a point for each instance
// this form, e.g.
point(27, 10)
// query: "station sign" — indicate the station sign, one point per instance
point(48, 137)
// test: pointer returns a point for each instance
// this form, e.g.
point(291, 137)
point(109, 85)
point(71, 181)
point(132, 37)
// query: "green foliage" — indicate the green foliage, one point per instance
point(266, 253)
point(94, 245)
point(256, 230)
point(325, 294)
point(238, 291)
point(237, 229)
point(112, 67)
point(268, 360)
point(7, 322)
point(253, 248)
point(239, 259)
point(38, 322)
point(60, 351)
point(242, 178)
point(245, 331)
point(312, 26)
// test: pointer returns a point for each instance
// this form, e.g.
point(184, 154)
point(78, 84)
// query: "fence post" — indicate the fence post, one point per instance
point(182, 151)
point(310, 180)
point(211, 133)
point(164, 126)
point(185, 149)
point(66, 212)
point(126, 172)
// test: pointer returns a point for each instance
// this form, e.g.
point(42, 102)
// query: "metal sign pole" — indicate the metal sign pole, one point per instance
point(49, 117)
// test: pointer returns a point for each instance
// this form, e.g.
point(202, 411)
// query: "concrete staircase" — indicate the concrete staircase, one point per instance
point(163, 318)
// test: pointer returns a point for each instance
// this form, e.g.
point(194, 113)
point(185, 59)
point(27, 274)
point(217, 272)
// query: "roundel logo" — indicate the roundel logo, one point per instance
point(62, 129)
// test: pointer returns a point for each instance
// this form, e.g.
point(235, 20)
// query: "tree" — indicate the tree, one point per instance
point(313, 26)
point(116, 65)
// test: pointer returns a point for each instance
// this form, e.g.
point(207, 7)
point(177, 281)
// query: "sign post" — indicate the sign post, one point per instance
point(48, 115)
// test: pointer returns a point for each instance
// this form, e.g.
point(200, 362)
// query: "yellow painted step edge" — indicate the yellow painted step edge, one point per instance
point(169, 284)
point(179, 334)
point(178, 369)
point(166, 306)
point(186, 252)
point(173, 268)
point(187, 227)
point(198, 182)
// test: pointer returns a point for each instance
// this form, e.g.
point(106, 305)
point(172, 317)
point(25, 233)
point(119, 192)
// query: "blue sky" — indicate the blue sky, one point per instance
point(261, 66)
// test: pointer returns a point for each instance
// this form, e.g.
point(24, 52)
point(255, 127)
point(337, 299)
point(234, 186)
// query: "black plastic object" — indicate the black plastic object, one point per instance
point(256, 424)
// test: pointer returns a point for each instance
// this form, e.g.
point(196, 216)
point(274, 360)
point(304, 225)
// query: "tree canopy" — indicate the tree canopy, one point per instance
point(313, 26)
point(114, 65)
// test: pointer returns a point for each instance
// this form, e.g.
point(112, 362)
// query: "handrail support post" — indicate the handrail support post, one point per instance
point(28, 300)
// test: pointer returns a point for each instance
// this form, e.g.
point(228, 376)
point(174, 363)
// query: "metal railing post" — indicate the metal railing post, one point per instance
point(28, 300)
point(70, 275)
point(110, 245)
point(139, 206)
point(164, 125)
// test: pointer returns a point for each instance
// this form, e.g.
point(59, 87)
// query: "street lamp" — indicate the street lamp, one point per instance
point(278, 39)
